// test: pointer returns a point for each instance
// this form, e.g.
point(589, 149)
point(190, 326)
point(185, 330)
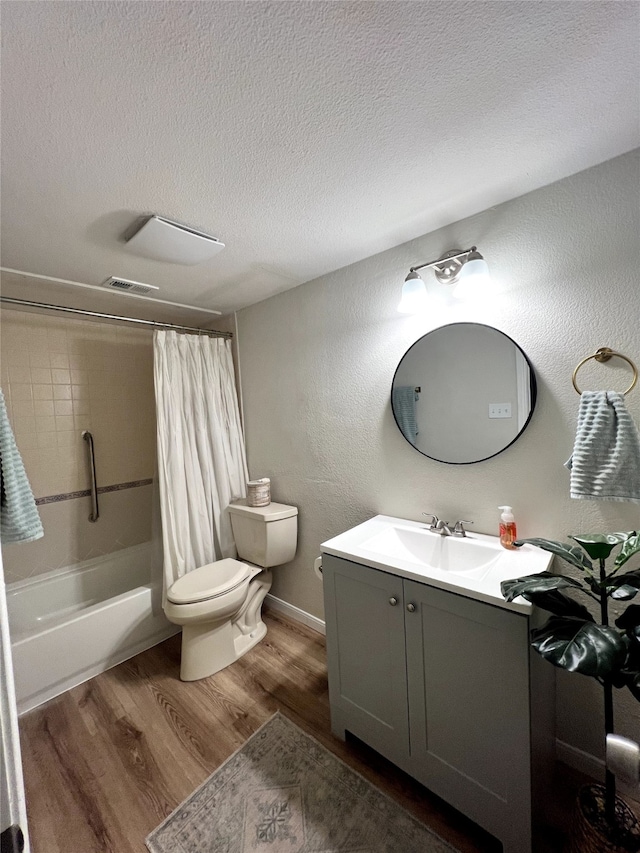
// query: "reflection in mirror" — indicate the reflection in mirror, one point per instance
point(463, 393)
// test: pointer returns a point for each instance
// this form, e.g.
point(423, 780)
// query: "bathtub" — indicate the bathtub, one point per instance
point(71, 624)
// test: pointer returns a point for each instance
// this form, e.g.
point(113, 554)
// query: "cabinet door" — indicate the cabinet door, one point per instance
point(468, 673)
point(366, 656)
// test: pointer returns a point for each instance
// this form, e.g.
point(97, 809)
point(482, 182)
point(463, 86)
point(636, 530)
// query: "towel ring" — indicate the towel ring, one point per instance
point(604, 354)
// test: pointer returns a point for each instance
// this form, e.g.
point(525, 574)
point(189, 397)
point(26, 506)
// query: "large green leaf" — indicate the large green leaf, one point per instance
point(600, 545)
point(629, 673)
point(535, 584)
point(625, 587)
point(580, 646)
point(630, 547)
point(570, 553)
point(559, 604)
point(632, 680)
point(594, 585)
point(629, 621)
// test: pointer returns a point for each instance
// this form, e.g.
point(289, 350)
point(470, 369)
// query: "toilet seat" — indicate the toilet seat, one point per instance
point(208, 582)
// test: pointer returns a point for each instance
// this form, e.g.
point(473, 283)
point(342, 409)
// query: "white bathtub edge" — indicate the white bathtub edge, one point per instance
point(65, 571)
point(36, 699)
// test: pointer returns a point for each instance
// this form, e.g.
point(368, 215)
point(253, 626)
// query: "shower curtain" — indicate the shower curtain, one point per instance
point(202, 463)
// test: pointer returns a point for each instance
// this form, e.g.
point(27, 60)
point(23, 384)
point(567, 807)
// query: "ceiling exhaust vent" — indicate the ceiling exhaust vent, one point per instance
point(126, 286)
point(165, 240)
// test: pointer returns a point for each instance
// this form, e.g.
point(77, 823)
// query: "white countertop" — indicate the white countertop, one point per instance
point(397, 546)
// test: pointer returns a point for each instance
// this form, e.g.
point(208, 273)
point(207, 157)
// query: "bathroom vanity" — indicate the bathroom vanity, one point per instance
point(432, 668)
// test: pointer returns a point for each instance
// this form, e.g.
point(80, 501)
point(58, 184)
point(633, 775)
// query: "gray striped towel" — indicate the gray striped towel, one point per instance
point(19, 518)
point(605, 464)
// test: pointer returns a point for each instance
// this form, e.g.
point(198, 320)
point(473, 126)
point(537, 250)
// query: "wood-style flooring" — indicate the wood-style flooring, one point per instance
point(107, 761)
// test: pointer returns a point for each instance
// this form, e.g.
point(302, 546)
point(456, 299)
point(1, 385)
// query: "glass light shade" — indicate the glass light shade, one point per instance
point(414, 295)
point(473, 275)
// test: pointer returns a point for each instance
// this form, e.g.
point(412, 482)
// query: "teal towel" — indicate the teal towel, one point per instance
point(19, 518)
point(605, 464)
point(404, 408)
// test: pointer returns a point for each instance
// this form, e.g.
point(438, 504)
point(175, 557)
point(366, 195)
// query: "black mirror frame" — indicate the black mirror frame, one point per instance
point(533, 388)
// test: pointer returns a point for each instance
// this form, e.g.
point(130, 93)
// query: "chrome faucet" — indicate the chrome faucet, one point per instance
point(459, 530)
point(442, 527)
point(437, 525)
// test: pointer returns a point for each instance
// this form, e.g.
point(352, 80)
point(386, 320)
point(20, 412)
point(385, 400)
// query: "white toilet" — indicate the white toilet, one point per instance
point(219, 605)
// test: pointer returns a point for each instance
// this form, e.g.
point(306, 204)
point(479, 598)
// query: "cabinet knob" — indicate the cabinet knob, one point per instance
point(411, 608)
point(393, 601)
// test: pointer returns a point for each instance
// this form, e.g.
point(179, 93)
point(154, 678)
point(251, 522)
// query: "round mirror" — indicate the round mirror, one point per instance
point(463, 393)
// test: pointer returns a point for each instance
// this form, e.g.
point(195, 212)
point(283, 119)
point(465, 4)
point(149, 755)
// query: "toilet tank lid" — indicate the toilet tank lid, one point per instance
point(270, 512)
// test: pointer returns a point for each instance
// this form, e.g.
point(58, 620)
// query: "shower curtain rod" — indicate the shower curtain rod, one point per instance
point(191, 329)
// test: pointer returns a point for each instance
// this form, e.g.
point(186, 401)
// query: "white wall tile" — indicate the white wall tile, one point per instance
point(63, 376)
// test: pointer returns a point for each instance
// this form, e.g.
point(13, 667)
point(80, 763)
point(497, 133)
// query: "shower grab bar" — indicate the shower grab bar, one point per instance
point(95, 513)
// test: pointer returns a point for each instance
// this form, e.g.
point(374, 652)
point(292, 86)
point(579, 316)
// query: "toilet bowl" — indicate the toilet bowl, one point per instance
point(219, 605)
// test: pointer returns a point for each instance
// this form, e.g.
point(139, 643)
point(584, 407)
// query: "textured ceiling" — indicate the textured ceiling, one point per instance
point(304, 135)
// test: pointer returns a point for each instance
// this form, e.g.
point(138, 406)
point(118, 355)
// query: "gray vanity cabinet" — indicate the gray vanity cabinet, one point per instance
point(468, 674)
point(364, 615)
point(440, 684)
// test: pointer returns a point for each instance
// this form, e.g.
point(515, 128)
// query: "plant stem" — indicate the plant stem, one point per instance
point(610, 779)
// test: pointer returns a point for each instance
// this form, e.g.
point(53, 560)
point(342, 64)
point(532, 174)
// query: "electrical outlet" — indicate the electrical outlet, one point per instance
point(499, 410)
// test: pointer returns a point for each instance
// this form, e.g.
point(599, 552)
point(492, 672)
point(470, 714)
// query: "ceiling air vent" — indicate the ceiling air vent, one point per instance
point(126, 286)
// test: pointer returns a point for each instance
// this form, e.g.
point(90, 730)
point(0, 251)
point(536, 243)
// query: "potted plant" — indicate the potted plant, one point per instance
point(573, 640)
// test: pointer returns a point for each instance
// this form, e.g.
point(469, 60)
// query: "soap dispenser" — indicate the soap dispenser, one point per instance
point(508, 533)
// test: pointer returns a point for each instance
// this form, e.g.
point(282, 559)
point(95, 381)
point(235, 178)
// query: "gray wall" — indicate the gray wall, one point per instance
point(317, 364)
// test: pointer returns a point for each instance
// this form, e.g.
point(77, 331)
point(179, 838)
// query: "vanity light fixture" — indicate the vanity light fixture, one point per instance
point(465, 269)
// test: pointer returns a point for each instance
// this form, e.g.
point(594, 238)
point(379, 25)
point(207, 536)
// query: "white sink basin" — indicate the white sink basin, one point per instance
point(473, 566)
point(458, 556)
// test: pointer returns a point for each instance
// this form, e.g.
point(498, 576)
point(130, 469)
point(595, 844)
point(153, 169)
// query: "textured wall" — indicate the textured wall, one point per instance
point(61, 376)
point(317, 364)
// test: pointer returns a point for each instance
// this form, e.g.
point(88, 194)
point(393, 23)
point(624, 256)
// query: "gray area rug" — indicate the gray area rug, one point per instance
point(282, 792)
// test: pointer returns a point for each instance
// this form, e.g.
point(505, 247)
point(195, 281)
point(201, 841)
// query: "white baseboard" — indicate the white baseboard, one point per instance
point(579, 760)
point(588, 764)
point(295, 613)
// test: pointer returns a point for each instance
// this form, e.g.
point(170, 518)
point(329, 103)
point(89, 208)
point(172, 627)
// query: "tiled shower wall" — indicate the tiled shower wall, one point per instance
point(61, 376)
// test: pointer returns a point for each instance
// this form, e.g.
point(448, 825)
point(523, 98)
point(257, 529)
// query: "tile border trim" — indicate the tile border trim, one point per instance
point(84, 493)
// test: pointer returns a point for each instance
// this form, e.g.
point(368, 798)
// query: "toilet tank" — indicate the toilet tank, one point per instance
point(265, 535)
